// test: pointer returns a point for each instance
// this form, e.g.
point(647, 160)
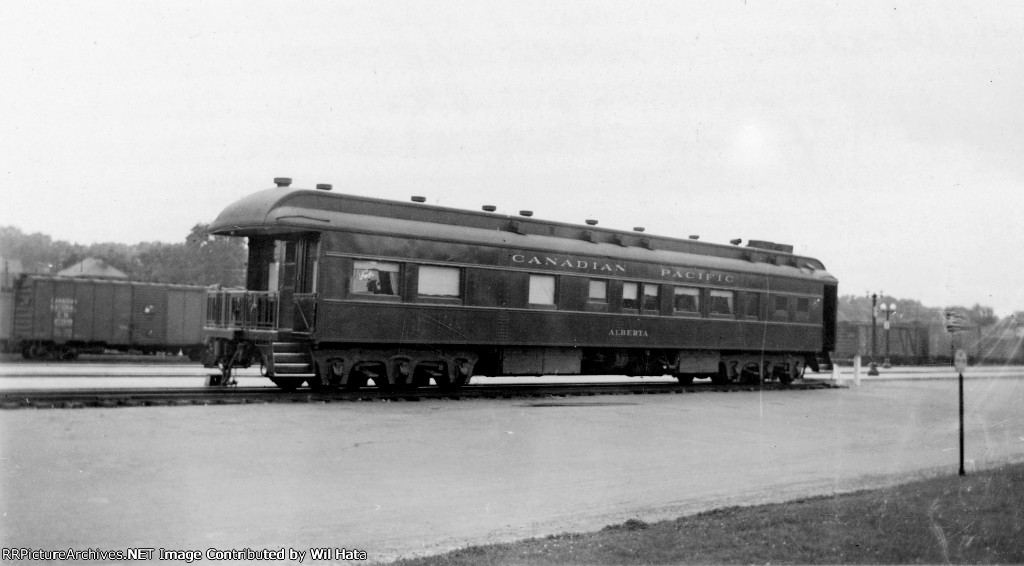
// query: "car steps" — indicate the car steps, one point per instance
point(291, 359)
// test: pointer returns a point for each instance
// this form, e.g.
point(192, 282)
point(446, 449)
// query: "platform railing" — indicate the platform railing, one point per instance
point(233, 308)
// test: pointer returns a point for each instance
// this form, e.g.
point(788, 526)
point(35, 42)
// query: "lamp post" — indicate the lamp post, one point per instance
point(874, 322)
point(888, 309)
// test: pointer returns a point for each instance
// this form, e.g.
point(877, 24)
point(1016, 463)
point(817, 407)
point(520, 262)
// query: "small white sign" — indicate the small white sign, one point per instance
point(960, 361)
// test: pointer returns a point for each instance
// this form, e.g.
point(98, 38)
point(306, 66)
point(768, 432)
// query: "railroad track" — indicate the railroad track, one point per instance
point(80, 398)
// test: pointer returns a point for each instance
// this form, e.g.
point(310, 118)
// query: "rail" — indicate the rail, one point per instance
point(232, 308)
point(541, 394)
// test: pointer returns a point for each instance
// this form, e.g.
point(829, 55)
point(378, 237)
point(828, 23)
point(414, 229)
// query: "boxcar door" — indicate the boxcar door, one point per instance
point(121, 322)
point(42, 301)
point(63, 307)
point(149, 315)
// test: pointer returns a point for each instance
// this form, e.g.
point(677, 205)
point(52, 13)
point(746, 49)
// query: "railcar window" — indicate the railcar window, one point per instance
point(542, 290)
point(752, 308)
point(598, 291)
point(374, 278)
point(630, 296)
point(651, 300)
point(440, 282)
point(803, 308)
point(781, 307)
point(686, 300)
point(722, 303)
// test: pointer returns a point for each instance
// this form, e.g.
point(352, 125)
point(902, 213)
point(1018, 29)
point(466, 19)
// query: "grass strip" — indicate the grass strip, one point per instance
point(975, 519)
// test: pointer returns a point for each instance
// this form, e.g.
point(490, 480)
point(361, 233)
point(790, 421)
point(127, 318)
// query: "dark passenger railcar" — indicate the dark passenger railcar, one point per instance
point(343, 289)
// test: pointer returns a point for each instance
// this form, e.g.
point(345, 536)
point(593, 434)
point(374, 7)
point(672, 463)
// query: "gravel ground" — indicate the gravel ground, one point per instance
point(398, 479)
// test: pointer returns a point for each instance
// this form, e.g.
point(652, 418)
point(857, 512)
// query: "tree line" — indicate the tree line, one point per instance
point(201, 259)
point(853, 308)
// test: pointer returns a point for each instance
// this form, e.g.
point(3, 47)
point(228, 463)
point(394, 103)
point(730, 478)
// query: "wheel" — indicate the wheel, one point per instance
point(335, 370)
point(445, 380)
point(426, 371)
point(722, 377)
point(316, 383)
point(463, 372)
point(208, 359)
point(684, 378)
point(783, 374)
point(356, 381)
point(750, 374)
point(378, 372)
point(288, 383)
point(195, 354)
point(401, 369)
point(359, 376)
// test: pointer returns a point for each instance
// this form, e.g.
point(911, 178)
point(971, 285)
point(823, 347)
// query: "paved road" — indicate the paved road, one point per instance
point(407, 478)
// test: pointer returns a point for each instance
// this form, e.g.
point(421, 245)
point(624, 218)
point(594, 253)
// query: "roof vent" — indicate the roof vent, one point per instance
point(694, 237)
point(770, 246)
point(324, 187)
point(489, 208)
point(638, 228)
point(526, 213)
point(419, 199)
point(591, 222)
point(282, 181)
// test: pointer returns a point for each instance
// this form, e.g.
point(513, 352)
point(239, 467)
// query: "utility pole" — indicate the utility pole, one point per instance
point(874, 333)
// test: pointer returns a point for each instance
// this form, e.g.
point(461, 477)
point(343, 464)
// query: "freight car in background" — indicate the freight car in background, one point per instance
point(928, 343)
point(59, 317)
point(342, 290)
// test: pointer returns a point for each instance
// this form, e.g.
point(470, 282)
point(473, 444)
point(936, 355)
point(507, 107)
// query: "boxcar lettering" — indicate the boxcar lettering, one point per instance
point(63, 311)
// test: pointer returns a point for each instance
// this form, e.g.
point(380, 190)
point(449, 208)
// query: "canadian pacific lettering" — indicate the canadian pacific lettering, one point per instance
point(570, 263)
point(695, 275)
point(698, 275)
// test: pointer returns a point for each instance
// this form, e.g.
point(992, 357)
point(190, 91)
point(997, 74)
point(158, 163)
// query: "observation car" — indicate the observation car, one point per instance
point(342, 290)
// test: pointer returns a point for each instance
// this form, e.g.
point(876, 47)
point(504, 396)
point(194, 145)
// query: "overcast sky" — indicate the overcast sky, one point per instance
point(886, 139)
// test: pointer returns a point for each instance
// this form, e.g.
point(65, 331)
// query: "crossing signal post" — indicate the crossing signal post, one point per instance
point(960, 362)
point(956, 321)
point(874, 333)
point(888, 309)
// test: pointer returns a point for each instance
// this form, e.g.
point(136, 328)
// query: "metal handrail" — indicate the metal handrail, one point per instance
point(234, 308)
